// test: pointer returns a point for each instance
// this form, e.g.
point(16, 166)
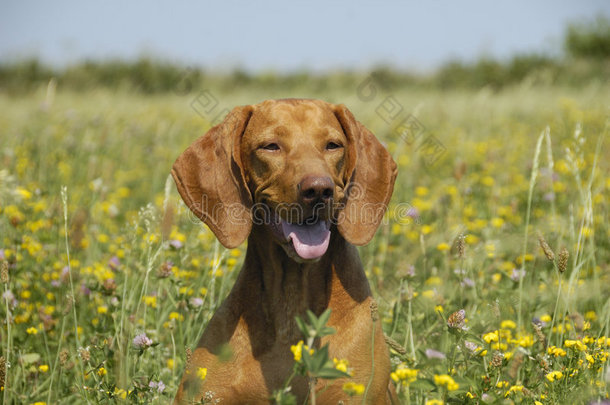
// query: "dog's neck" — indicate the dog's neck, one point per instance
point(286, 289)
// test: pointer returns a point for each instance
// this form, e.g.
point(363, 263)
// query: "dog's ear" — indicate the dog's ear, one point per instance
point(210, 179)
point(370, 174)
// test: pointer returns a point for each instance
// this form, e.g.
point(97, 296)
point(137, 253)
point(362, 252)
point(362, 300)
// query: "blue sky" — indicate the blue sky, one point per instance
point(286, 35)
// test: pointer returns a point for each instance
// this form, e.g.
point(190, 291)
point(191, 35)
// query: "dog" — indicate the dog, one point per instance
point(304, 182)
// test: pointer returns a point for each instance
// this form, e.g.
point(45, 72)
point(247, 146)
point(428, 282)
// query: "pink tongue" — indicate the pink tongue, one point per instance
point(309, 241)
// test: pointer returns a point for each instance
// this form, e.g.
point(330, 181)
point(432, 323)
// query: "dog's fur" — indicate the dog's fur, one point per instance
point(314, 156)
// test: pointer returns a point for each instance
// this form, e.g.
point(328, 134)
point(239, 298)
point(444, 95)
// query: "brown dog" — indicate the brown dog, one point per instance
point(304, 182)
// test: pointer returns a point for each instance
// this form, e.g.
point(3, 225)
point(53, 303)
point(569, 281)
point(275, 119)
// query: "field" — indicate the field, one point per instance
point(501, 209)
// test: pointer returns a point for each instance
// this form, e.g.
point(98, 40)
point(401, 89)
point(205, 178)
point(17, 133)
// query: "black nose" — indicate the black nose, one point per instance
point(316, 189)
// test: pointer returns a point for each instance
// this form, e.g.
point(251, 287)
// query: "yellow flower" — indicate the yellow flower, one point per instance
point(546, 318)
point(514, 388)
point(434, 402)
point(497, 222)
point(341, 365)
point(202, 373)
point(102, 372)
point(31, 330)
point(446, 380)
point(43, 368)
point(404, 374)
point(351, 388)
point(491, 337)
point(150, 300)
point(102, 309)
point(421, 191)
point(508, 324)
point(443, 246)
point(556, 351)
point(554, 376)
point(176, 315)
point(577, 344)
point(170, 364)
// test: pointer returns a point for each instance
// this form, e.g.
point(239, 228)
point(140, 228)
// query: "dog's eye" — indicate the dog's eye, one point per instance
point(332, 146)
point(271, 146)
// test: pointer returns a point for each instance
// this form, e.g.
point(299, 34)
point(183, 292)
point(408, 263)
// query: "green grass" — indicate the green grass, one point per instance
point(92, 267)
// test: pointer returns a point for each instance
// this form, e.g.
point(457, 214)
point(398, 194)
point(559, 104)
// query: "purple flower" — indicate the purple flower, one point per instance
point(85, 290)
point(142, 341)
point(2, 256)
point(114, 263)
point(176, 244)
point(550, 196)
point(517, 274)
point(413, 213)
point(467, 282)
point(435, 354)
point(411, 271)
point(158, 385)
point(10, 297)
point(196, 302)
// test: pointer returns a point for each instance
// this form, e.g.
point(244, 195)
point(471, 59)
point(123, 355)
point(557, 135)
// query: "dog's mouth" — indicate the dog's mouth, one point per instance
point(307, 241)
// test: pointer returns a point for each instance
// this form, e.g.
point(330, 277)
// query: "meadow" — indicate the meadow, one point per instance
point(493, 284)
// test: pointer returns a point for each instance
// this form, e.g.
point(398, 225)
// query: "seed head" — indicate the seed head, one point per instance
point(562, 262)
point(548, 252)
point(497, 359)
point(2, 371)
point(4, 272)
point(461, 246)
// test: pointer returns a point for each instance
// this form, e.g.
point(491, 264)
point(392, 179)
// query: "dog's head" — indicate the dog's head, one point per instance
point(301, 168)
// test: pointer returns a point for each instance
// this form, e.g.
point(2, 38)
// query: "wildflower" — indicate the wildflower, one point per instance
point(404, 374)
point(434, 402)
point(31, 330)
point(150, 300)
point(456, 320)
point(443, 246)
point(517, 275)
point(341, 365)
point(297, 351)
point(353, 389)
point(514, 388)
point(142, 341)
point(556, 351)
point(159, 386)
point(435, 354)
point(508, 324)
point(554, 376)
point(176, 315)
point(170, 364)
point(577, 344)
point(102, 371)
point(102, 309)
point(491, 337)
point(196, 302)
point(43, 368)
point(446, 380)
point(202, 373)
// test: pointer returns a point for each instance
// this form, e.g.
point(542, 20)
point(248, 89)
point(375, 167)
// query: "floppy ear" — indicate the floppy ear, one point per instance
point(209, 177)
point(370, 176)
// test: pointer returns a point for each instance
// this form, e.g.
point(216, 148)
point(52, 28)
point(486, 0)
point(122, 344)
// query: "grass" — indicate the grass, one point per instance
point(98, 250)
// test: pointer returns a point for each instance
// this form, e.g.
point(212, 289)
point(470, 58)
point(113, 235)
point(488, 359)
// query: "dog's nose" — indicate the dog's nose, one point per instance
point(315, 189)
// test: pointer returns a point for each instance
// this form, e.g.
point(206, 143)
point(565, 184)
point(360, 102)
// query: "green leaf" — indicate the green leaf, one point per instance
point(331, 373)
